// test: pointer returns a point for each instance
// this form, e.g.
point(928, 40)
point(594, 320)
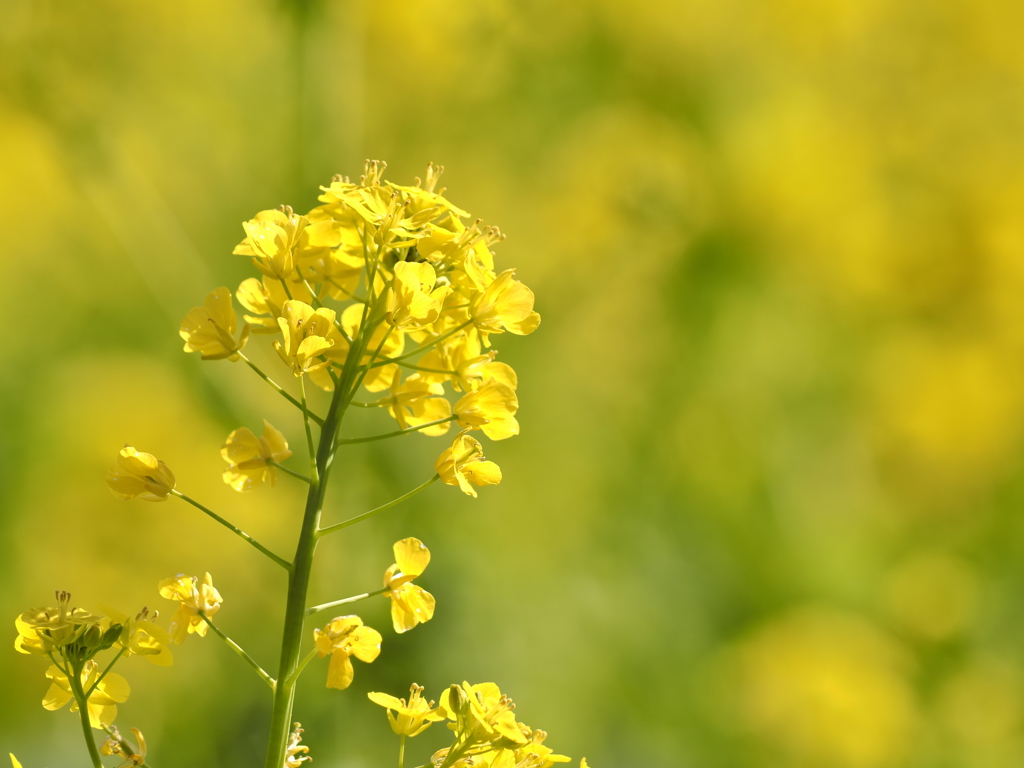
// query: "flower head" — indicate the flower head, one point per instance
point(210, 329)
point(343, 637)
point(141, 636)
point(483, 715)
point(102, 703)
point(249, 457)
point(305, 331)
point(272, 238)
point(410, 603)
point(505, 305)
point(413, 301)
point(464, 465)
point(491, 408)
point(140, 476)
point(409, 719)
point(193, 596)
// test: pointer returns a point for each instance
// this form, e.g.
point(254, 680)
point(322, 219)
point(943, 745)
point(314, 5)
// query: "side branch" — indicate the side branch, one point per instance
point(371, 438)
point(343, 601)
point(372, 512)
point(241, 652)
point(279, 388)
point(421, 348)
point(235, 529)
point(292, 472)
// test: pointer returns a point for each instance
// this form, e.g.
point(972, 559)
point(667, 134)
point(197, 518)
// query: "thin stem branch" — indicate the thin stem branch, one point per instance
point(309, 433)
point(344, 601)
point(383, 507)
point(110, 666)
point(235, 529)
point(302, 665)
point(371, 438)
point(241, 652)
point(428, 370)
point(422, 347)
point(279, 388)
point(287, 471)
point(75, 681)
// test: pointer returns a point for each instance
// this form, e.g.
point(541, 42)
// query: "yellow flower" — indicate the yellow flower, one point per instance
point(102, 704)
point(140, 636)
point(410, 719)
point(413, 301)
point(116, 745)
point(483, 713)
point(490, 408)
point(462, 355)
point(417, 401)
point(464, 465)
point(248, 456)
point(271, 239)
point(536, 755)
point(345, 636)
point(505, 305)
point(210, 329)
point(42, 630)
point(410, 603)
point(305, 331)
point(192, 597)
point(140, 475)
point(265, 298)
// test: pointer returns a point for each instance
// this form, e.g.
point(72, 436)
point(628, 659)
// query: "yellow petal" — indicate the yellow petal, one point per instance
point(14, 761)
point(412, 556)
point(384, 700)
point(240, 446)
point(339, 671)
point(55, 698)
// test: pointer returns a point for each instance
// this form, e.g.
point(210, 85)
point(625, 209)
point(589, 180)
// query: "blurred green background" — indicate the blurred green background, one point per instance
point(766, 506)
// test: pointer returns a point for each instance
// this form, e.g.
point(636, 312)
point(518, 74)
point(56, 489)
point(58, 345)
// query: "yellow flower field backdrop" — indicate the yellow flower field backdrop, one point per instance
point(766, 507)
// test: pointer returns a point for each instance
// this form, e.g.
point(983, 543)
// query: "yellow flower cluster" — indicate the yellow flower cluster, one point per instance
point(486, 732)
point(72, 637)
point(413, 274)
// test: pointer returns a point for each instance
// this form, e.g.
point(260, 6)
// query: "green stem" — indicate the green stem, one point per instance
point(309, 433)
point(292, 472)
point(372, 512)
point(422, 347)
point(344, 601)
point(236, 530)
point(401, 751)
point(279, 388)
point(75, 680)
point(428, 370)
point(386, 435)
point(302, 665)
point(110, 666)
point(241, 652)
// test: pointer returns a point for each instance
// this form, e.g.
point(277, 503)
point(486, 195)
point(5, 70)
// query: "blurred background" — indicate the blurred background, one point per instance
point(766, 507)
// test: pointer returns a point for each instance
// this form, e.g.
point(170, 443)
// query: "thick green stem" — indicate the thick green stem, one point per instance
point(75, 680)
point(302, 564)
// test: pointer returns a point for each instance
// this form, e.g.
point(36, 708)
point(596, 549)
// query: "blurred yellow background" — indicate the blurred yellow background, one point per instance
point(766, 507)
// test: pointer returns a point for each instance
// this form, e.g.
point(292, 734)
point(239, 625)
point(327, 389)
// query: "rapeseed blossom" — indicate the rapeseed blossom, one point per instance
point(409, 719)
point(410, 603)
point(210, 329)
point(112, 690)
point(250, 457)
point(138, 475)
point(115, 745)
point(463, 464)
point(343, 637)
point(193, 597)
point(491, 408)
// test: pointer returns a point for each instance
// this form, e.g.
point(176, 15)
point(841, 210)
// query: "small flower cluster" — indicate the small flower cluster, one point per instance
point(486, 732)
point(408, 271)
